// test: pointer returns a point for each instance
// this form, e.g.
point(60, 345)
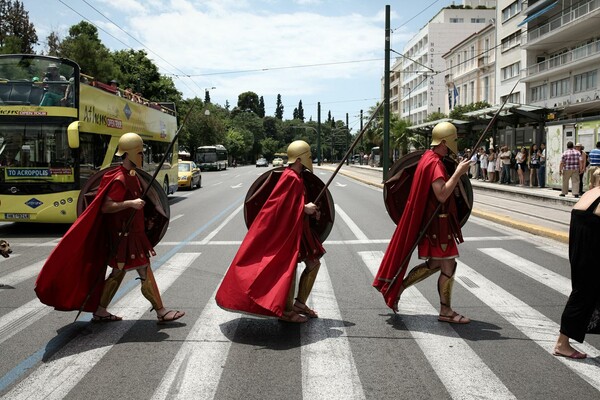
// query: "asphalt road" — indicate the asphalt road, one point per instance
point(512, 284)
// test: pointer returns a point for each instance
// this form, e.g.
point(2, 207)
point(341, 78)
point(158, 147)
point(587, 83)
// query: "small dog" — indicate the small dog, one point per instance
point(5, 248)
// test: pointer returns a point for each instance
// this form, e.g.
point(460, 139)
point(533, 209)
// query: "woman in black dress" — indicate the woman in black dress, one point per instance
point(580, 315)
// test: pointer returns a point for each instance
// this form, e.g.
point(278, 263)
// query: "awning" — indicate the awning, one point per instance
point(538, 13)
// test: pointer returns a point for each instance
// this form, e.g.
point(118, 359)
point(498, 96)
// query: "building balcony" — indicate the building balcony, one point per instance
point(581, 56)
point(574, 22)
point(448, 80)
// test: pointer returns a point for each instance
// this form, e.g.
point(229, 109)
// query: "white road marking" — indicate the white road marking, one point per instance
point(203, 354)
point(340, 184)
point(13, 255)
point(459, 368)
point(55, 378)
point(529, 321)
point(176, 217)
point(559, 251)
point(225, 222)
point(239, 185)
point(360, 235)
point(22, 274)
point(328, 368)
point(546, 277)
point(20, 318)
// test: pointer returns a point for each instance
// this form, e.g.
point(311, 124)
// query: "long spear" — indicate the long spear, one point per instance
point(130, 219)
point(437, 210)
point(354, 143)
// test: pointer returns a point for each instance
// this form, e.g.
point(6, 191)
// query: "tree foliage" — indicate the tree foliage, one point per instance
point(17, 34)
point(279, 108)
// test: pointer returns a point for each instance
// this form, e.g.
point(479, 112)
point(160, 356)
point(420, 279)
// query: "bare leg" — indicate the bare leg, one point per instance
point(563, 347)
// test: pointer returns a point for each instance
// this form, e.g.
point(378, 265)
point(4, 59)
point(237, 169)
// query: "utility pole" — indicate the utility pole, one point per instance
point(362, 143)
point(347, 135)
point(386, 96)
point(319, 133)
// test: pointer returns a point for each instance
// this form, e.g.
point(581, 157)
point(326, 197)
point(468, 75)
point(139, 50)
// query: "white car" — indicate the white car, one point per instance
point(277, 162)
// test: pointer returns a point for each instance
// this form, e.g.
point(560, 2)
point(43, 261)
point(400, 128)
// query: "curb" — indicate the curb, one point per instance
point(497, 218)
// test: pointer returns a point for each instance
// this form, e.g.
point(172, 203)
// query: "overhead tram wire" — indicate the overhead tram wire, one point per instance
point(117, 39)
point(421, 12)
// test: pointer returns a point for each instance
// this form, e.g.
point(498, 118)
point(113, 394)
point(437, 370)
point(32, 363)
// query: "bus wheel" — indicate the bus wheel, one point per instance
point(166, 186)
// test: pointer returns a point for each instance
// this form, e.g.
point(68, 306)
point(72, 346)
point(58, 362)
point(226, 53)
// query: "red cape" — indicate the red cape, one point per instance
point(259, 277)
point(407, 230)
point(78, 263)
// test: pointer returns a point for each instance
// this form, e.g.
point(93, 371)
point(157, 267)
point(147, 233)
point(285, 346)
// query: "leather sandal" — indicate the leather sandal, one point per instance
point(455, 318)
point(170, 316)
point(106, 318)
point(304, 309)
point(292, 316)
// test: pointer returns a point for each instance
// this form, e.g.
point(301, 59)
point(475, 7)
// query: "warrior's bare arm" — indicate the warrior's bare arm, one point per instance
point(442, 189)
point(110, 206)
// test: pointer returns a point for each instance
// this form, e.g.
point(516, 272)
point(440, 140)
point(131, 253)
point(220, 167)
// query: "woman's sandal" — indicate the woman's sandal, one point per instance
point(106, 318)
point(174, 316)
point(292, 316)
point(304, 309)
point(455, 318)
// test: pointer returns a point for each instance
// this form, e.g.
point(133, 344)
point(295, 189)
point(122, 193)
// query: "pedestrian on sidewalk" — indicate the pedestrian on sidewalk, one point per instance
point(569, 168)
point(581, 314)
point(261, 277)
point(584, 161)
point(431, 198)
point(534, 164)
point(542, 168)
point(491, 170)
point(483, 164)
point(521, 160)
point(505, 156)
point(594, 158)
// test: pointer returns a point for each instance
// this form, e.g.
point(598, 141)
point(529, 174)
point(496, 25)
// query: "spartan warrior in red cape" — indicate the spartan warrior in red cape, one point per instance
point(431, 188)
point(72, 276)
point(261, 277)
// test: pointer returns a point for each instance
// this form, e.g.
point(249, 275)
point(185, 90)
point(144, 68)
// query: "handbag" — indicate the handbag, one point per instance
point(594, 324)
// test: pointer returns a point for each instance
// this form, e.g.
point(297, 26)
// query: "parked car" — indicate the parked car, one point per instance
point(189, 175)
point(262, 162)
point(277, 162)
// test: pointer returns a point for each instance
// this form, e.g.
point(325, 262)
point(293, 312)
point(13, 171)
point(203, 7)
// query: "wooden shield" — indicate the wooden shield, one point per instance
point(397, 188)
point(155, 196)
point(262, 188)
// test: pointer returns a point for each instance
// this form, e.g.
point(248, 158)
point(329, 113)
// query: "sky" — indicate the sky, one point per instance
point(327, 51)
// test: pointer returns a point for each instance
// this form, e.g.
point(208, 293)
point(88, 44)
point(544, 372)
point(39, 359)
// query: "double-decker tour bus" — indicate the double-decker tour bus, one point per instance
point(211, 157)
point(59, 127)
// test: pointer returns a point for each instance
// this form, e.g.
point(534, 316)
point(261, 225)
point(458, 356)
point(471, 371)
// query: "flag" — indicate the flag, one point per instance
point(450, 99)
point(455, 95)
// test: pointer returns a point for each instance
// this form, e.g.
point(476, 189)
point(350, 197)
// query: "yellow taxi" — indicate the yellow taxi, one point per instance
point(189, 175)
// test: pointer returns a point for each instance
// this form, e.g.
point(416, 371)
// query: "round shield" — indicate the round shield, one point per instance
point(261, 189)
point(155, 196)
point(397, 188)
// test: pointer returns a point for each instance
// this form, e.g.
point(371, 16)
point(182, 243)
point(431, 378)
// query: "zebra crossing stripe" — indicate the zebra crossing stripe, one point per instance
point(546, 277)
point(443, 347)
point(22, 274)
point(328, 368)
point(20, 318)
point(203, 354)
point(529, 321)
point(225, 222)
point(62, 372)
point(360, 235)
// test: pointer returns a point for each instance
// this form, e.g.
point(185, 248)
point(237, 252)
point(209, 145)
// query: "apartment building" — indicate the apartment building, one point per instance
point(417, 78)
point(470, 69)
point(561, 72)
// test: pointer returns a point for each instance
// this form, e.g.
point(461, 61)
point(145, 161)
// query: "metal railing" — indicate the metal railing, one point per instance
point(566, 17)
point(569, 57)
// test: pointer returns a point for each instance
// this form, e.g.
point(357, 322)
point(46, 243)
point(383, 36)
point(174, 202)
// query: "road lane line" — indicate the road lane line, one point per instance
point(20, 318)
point(22, 274)
point(55, 378)
point(175, 218)
point(328, 368)
point(443, 347)
point(351, 224)
point(202, 354)
point(562, 252)
point(536, 272)
point(225, 222)
point(533, 324)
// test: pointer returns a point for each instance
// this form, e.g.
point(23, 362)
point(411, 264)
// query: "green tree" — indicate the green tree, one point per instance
point(250, 122)
point(234, 142)
point(53, 44)
point(17, 34)
point(279, 108)
point(207, 96)
point(434, 116)
point(269, 147)
point(84, 47)
point(300, 111)
point(261, 107)
point(248, 101)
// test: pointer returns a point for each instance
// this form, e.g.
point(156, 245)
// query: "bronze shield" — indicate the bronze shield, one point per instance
point(155, 196)
point(397, 188)
point(261, 189)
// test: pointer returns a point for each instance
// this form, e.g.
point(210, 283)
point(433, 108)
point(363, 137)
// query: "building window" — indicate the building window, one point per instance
point(585, 81)
point(478, 20)
point(486, 88)
point(538, 93)
point(514, 98)
point(559, 88)
point(457, 20)
point(511, 71)
point(511, 41)
point(513, 9)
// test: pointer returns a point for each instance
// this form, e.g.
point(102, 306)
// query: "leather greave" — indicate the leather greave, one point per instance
point(111, 285)
point(418, 273)
point(150, 290)
point(307, 281)
point(445, 284)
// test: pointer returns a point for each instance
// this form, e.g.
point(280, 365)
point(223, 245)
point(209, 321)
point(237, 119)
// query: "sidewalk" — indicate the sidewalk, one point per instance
point(373, 176)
